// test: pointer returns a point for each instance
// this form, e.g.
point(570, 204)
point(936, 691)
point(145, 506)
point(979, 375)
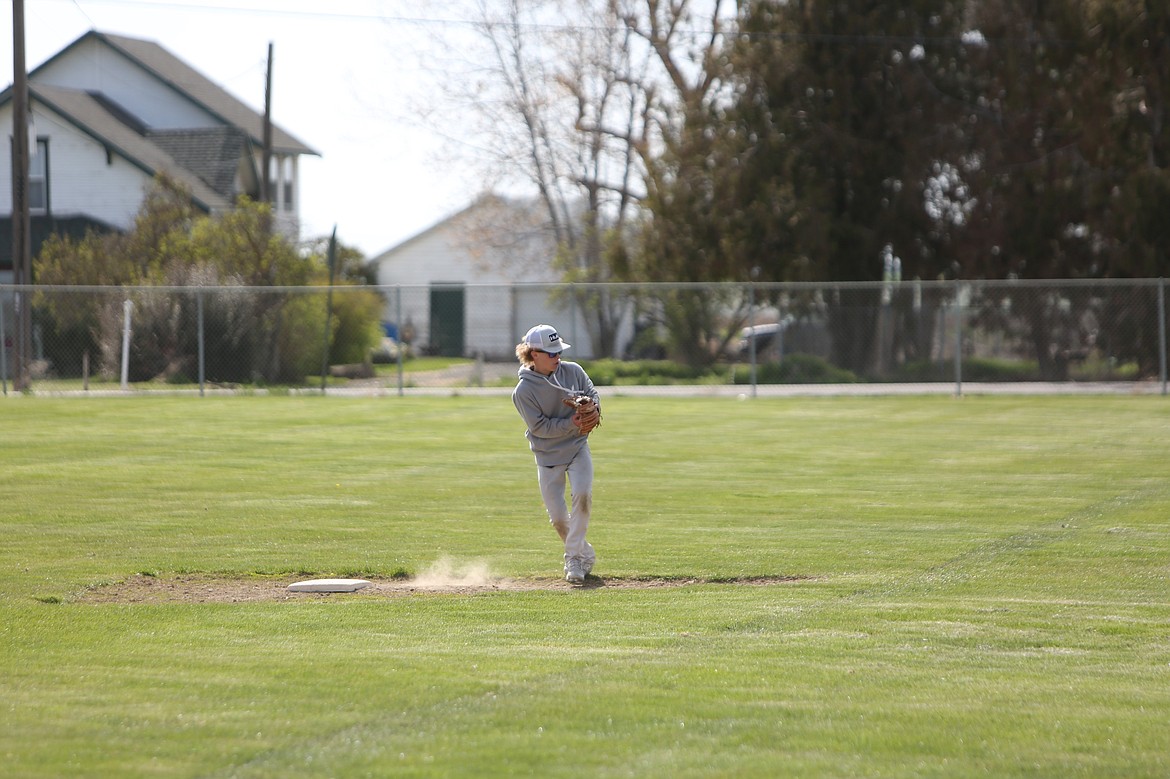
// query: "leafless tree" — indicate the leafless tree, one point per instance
point(574, 101)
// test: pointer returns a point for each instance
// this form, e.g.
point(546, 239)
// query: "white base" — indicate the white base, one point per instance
point(329, 585)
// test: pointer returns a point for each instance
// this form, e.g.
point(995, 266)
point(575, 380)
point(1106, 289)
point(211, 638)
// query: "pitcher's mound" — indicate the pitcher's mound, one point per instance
point(219, 588)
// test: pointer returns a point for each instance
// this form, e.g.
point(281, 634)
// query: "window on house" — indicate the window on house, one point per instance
point(38, 177)
point(288, 171)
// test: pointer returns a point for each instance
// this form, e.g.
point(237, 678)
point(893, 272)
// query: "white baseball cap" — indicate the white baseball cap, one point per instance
point(546, 339)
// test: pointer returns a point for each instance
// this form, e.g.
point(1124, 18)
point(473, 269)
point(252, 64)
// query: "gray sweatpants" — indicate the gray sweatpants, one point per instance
point(571, 525)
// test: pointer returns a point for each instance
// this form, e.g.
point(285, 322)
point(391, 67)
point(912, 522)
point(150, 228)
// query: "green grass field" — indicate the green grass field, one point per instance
point(980, 587)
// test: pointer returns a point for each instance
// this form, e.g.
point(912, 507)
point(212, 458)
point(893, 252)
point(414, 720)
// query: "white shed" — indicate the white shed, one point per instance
point(473, 283)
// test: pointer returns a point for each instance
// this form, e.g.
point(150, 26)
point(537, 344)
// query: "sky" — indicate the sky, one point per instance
point(351, 79)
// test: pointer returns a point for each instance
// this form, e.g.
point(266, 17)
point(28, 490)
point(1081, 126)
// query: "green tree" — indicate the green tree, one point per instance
point(1039, 92)
point(1129, 41)
point(254, 329)
point(844, 115)
point(354, 327)
point(1074, 145)
point(350, 264)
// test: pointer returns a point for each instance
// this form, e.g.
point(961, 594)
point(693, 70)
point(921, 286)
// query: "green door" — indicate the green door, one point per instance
point(447, 313)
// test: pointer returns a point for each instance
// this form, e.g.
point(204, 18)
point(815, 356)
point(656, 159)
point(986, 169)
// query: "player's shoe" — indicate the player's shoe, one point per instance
point(574, 571)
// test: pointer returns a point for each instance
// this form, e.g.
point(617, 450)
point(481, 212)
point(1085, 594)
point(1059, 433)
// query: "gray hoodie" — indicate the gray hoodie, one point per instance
point(551, 435)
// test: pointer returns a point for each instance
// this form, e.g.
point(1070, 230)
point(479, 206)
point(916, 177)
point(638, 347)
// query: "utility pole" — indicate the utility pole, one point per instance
point(21, 248)
point(266, 155)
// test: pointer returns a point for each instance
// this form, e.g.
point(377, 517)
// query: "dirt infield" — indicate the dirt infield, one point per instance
point(209, 588)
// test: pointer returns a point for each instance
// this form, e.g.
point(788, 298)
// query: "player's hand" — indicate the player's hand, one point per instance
point(587, 415)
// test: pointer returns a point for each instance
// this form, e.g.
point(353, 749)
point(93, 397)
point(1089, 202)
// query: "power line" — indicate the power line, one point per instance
point(81, 11)
point(426, 21)
point(236, 8)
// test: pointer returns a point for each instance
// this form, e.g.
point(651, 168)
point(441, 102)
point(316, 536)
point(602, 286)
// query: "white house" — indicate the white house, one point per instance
point(473, 283)
point(108, 113)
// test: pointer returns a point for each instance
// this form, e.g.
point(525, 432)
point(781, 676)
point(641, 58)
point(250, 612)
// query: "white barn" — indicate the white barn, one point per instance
point(473, 283)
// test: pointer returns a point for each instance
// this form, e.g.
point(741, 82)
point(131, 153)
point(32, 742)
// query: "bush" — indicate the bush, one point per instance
point(356, 327)
point(796, 369)
point(610, 372)
point(229, 334)
point(973, 369)
point(248, 336)
point(66, 343)
point(299, 338)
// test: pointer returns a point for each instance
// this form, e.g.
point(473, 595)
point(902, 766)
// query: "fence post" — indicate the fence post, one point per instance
point(201, 339)
point(326, 336)
point(401, 330)
point(752, 336)
point(513, 314)
point(3, 349)
point(958, 338)
point(127, 305)
point(21, 381)
point(1162, 330)
point(573, 314)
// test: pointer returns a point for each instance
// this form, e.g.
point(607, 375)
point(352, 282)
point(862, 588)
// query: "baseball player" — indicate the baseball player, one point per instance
point(559, 405)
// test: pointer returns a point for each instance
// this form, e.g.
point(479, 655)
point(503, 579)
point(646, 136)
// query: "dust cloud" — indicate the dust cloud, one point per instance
point(445, 573)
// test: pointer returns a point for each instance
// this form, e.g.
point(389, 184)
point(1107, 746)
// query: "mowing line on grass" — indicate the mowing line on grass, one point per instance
point(960, 566)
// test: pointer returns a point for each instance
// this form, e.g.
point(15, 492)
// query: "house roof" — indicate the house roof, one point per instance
point(93, 117)
point(495, 238)
point(213, 154)
point(443, 223)
point(505, 220)
point(195, 86)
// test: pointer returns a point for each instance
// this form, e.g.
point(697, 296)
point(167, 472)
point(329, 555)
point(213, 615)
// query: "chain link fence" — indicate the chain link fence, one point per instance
point(391, 339)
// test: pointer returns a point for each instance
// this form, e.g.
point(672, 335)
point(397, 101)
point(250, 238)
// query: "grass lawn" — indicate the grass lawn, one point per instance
point(860, 587)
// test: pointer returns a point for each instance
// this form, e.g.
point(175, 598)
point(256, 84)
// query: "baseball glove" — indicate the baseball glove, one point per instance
point(587, 415)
